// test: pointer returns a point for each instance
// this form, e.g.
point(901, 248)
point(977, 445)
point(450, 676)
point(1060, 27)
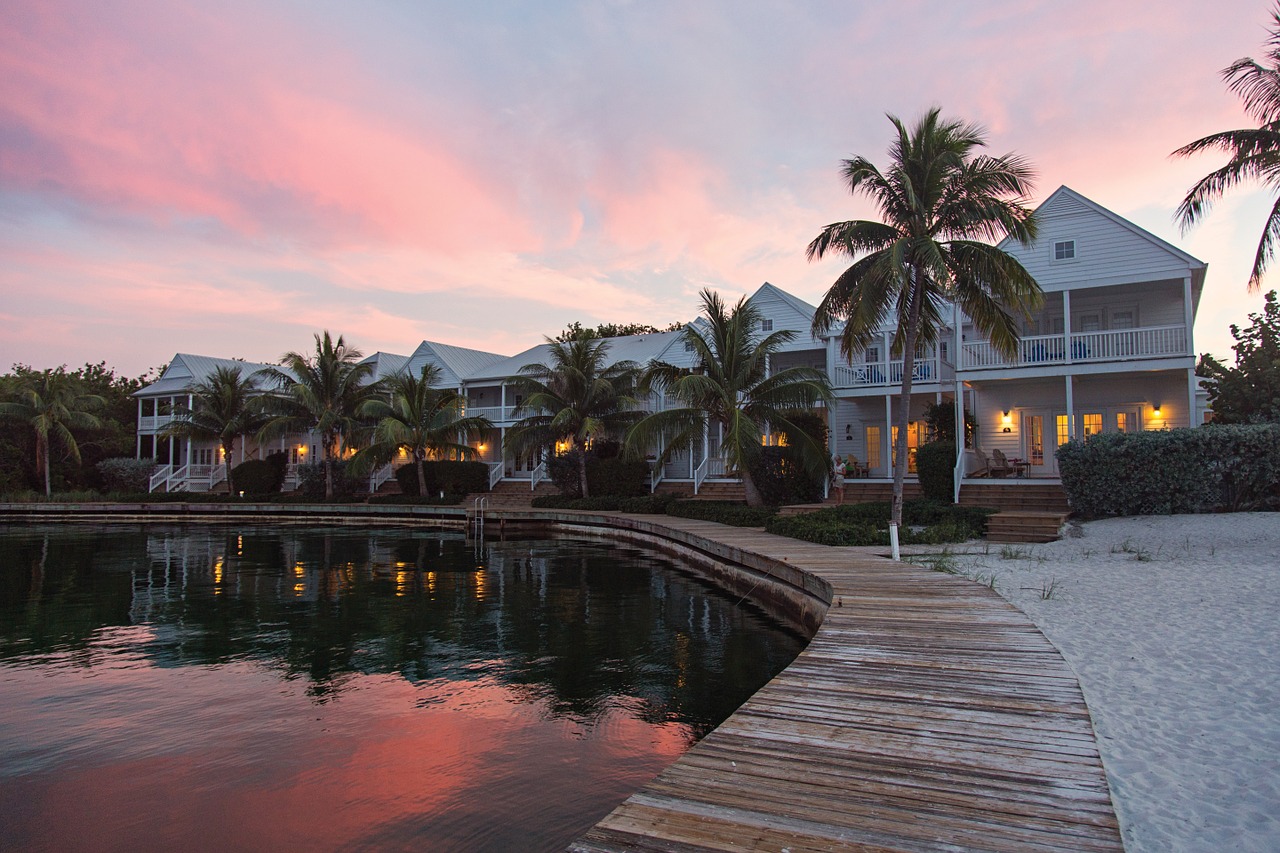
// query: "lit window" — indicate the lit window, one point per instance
point(1064, 430)
point(1092, 424)
point(1122, 422)
point(1064, 250)
point(873, 447)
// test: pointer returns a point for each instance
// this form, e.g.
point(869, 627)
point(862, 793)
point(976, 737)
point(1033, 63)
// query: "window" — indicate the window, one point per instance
point(766, 325)
point(688, 346)
point(1092, 424)
point(1122, 421)
point(873, 447)
point(1064, 250)
point(873, 355)
point(1064, 429)
point(914, 431)
point(1034, 432)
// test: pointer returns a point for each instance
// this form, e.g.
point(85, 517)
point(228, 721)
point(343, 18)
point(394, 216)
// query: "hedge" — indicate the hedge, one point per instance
point(126, 474)
point(450, 477)
point(722, 512)
point(868, 524)
point(1216, 467)
point(260, 477)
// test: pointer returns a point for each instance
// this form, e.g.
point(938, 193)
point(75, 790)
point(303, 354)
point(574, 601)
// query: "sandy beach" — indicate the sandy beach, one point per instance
point(1173, 626)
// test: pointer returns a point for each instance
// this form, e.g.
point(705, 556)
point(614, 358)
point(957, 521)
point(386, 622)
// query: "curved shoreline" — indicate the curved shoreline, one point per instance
point(926, 712)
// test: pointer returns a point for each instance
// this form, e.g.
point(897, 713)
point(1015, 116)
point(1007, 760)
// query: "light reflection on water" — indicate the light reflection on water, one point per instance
point(253, 689)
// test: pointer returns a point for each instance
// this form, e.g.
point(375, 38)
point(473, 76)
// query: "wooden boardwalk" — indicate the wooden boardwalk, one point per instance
point(927, 714)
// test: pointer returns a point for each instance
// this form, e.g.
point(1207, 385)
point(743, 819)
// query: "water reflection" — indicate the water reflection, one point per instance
point(300, 658)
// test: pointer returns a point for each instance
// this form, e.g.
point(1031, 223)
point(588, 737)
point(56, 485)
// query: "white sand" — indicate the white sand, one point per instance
point(1173, 626)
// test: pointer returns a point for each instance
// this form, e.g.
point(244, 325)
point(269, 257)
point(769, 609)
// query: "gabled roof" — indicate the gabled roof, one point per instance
point(457, 364)
point(637, 348)
point(385, 364)
point(185, 370)
point(1064, 201)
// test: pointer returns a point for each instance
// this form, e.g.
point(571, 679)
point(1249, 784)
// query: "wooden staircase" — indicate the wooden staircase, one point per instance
point(1017, 526)
point(711, 490)
point(1016, 496)
point(514, 494)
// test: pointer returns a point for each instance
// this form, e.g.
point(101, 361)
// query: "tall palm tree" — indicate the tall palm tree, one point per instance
point(733, 389)
point(52, 404)
point(225, 408)
point(1254, 153)
point(939, 199)
point(322, 393)
point(577, 398)
point(420, 419)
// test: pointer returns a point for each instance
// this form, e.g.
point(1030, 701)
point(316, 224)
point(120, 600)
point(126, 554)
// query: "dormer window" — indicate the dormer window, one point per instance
point(766, 325)
point(1064, 250)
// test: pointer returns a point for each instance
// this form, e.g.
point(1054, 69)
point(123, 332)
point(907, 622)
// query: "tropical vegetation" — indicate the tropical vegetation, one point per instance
point(1253, 154)
point(420, 419)
point(579, 397)
point(939, 200)
point(732, 389)
point(323, 392)
point(52, 405)
point(1249, 391)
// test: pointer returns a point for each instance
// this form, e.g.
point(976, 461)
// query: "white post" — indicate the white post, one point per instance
point(1191, 371)
point(893, 542)
point(1066, 322)
point(888, 430)
point(1071, 411)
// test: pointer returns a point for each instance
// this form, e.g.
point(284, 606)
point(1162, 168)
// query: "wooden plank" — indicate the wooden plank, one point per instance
point(925, 714)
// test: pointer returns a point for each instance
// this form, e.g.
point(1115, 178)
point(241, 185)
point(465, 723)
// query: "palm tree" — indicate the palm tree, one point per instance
point(322, 393)
point(733, 389)
point(938, 200)
point(224, 408)
point(578, 398)
point(52, 404)
point(420, 419)
point(1254, 153)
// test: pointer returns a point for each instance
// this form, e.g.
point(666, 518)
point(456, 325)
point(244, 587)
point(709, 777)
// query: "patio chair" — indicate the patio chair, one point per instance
point(1000, 464)
point(984, 465)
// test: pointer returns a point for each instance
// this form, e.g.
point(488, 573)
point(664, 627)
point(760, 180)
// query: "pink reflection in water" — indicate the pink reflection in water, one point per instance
point(132, 755)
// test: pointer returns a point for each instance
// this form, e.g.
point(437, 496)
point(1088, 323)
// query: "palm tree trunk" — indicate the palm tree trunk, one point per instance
point(328, 469)
point(227, 449)
point(912, 332)
point(582, 470)
point(422, 477)
point(750, 490)
point(42, 458)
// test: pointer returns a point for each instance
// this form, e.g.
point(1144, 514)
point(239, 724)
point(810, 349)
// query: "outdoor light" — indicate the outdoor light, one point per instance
point(1007, 421)
point(848, 432)
point(1155, 410)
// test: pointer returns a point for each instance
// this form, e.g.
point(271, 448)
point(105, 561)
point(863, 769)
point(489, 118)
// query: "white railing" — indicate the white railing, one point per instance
point(923, 370)
point(700, 474)
point(217, 475)
point(496, 414)
point(655, 476)
point(1118, 344)
point(716, 468)
point(495, 474)
point(290, 478)
point(154, 423)
point(161, 474)
point(536, 475)
point(380, 476)
point(1153, 341)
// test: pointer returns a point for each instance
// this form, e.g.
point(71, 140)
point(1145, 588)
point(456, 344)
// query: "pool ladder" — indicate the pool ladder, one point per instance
point(478, 507)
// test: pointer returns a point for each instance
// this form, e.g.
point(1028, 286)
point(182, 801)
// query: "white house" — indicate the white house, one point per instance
point(1110, 350)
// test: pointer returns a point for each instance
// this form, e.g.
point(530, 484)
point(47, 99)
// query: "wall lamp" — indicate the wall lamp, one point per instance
point(1007, 421)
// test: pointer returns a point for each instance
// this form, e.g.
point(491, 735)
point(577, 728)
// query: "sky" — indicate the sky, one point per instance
point(230, 178)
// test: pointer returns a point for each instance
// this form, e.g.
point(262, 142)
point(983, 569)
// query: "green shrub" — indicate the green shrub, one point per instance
point(260, 477)
point(311, 481)
point(608, 473)
point(126, 474)
point(655, 504)
point(781, 479)
point(935, 466)
point(409, 500)
point(448, 476)
point(722, 512)
point(868, 524)
point(1214, 467)
point(605, 503)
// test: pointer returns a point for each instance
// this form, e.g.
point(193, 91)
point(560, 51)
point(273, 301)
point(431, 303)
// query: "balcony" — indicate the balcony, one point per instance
point(874, 374)
point(1085, 347)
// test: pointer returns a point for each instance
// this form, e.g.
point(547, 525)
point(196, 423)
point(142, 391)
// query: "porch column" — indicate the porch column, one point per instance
point(831, 360)
point(1192, 415)
point(1066, 327)
point(1187, 315)
point(1071, 412)
point(888, 429)
point(137, 433)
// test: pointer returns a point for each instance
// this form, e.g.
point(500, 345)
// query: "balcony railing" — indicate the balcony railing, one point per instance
point(879, 373)
point(1118, 344)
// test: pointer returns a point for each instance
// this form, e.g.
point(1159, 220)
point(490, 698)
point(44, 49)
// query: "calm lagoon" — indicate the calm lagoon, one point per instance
point(256, 688)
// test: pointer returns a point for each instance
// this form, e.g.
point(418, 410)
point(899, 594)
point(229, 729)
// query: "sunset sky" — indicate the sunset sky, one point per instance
point(229, 178)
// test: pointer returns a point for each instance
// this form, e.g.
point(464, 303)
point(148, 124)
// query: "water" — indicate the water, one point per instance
point(204, 688)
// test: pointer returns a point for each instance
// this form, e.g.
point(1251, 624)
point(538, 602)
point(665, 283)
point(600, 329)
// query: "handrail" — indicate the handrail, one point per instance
point(161, 475)
point(537, 474)
point(495, 474)
point(380, 476)
point(700, 474)
point(656, 473)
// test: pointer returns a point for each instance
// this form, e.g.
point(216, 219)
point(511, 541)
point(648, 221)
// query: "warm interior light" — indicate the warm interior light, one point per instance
point(480, 447)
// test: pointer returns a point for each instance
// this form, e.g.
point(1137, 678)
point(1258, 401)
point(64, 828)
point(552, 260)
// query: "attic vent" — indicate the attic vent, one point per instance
point(1064, 250)
point(766, 325)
